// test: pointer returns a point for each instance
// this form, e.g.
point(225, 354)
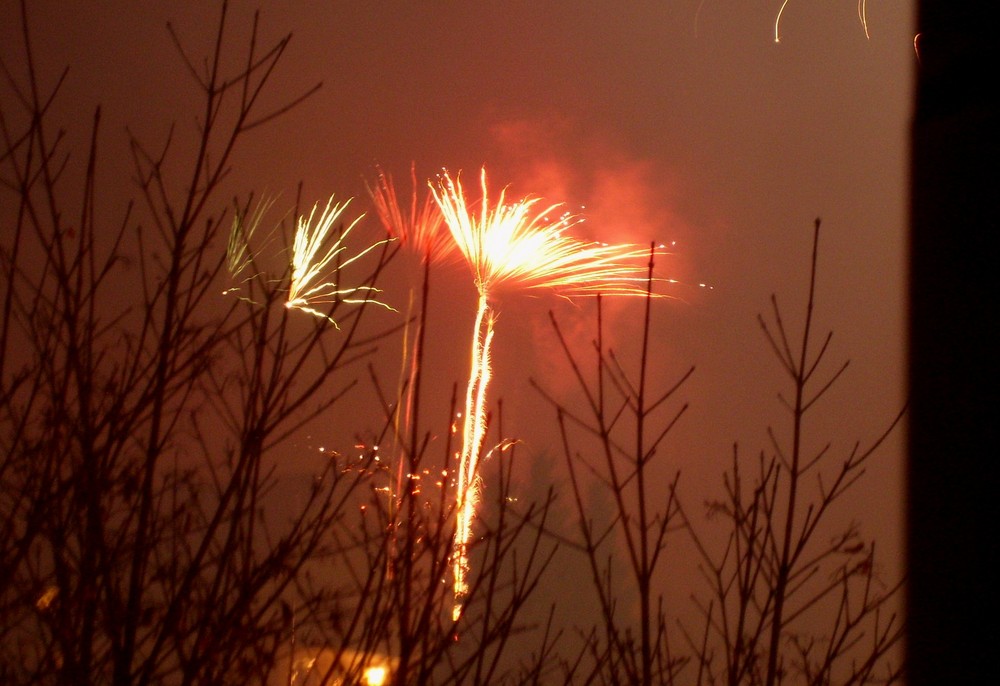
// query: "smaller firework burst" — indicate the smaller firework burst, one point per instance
point(422, 229)
point(317, 251)
point(241, 253)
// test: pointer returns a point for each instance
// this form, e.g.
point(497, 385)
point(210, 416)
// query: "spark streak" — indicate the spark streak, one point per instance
point(238, 253)
point(862, 17)
point(473, 433)
point(512, 244)
point(312, 253)
point(241, 256)
point(777, 21)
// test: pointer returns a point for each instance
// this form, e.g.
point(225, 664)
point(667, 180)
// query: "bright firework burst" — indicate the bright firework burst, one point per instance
point(313, 251)
point(514, 244)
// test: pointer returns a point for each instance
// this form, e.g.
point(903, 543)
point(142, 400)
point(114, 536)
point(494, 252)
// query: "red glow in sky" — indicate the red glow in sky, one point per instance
point(675, 122)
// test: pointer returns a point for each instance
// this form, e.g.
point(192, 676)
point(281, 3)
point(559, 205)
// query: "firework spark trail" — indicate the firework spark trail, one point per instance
point(238, 253)
point(862, 17)
point(511, 243)
point(241, 256)
point(777, 21)
point(473, 433)
point(424, 231)
point(312, 253)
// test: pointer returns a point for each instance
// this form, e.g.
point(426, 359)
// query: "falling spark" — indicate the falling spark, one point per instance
point(312, 253)
point(777, 21)
point(513, 244)
point(862, 17)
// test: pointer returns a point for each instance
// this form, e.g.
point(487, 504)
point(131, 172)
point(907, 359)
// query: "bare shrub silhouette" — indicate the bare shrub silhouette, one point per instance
point(152, 375)
point(792, 597)
point(139, 408)
point(394, 590)
point(615, 440)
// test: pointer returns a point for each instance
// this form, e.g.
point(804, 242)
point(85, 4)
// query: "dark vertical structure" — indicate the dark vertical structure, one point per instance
point(954, 348)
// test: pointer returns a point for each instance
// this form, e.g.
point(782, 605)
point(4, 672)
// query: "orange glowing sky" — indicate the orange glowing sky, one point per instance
point(676, 122)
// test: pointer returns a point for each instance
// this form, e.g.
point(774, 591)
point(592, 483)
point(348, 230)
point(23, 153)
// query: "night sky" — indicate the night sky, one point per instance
point(682, 123)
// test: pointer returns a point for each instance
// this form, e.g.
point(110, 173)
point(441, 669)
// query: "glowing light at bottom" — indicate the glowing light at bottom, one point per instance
point(376, 676)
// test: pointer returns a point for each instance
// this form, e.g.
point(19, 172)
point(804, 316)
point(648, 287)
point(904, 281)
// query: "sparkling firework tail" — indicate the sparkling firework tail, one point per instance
point(404, 422)
point(473, 434)
point(313, 251)
point(422, 229)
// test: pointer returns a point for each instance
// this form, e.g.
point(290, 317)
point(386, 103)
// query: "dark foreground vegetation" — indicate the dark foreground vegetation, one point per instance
point(150, 372)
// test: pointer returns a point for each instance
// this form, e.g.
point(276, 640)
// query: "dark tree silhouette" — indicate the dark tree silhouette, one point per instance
point(792, 596)
point(150, 375)
point(150, 371)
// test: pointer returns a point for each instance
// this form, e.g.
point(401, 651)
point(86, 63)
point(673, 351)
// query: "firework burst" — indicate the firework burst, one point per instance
point(423, 228)
point(514, 244)
point(318, 250)
point(241, 256)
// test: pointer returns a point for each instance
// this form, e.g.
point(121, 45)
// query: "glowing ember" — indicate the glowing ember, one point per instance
point(512, 244)
point(313, 251)
point(376, 676)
